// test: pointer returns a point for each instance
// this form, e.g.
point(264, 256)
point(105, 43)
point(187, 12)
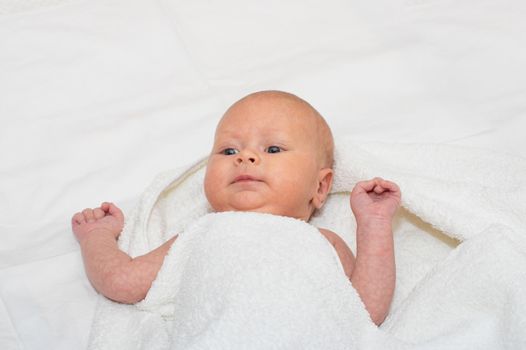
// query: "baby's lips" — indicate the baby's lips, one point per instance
point(245, 178)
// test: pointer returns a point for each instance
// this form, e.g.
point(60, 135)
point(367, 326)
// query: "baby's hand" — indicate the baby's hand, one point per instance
point(376, 200)
point(108, 217)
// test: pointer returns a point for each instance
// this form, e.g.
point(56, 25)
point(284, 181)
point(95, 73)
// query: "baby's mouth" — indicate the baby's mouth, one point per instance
point(245, 178)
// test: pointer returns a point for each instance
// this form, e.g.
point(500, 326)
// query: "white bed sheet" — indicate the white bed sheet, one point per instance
point(96, 97)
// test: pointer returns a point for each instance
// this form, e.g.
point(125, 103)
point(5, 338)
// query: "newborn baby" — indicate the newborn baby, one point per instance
point(272, 153)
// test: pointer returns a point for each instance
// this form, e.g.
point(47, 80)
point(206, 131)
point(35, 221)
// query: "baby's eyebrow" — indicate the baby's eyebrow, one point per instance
point(232, 138)
point(225, 141)
point(228, 134)
point(224, 145)
point(278, 137)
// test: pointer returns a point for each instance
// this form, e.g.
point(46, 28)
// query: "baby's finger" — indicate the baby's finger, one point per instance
point(98, 213)
point(105, 206)
point(115, 211)
point(391, 186)
point(78, 218)
point(379, 189)
point(367, 185)
point(88, 214)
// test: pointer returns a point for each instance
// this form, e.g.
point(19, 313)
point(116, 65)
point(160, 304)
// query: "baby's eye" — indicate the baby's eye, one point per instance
point(274, 149)
point(229, 151)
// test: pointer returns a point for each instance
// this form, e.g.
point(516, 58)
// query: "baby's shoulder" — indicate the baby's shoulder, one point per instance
point(342, 249)
point(331, 236)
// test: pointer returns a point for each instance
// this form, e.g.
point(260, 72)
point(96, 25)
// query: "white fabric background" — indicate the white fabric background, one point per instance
point(96, 97)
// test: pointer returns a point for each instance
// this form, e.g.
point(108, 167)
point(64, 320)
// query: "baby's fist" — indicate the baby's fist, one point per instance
point(108, 217)
point(375, 199)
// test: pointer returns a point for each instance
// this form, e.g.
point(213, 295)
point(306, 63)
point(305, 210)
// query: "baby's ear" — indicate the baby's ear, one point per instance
point(325, 176)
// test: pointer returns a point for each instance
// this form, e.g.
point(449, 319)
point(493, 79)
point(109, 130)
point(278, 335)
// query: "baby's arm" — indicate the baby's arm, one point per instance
point(374, 204)
point(111, 271)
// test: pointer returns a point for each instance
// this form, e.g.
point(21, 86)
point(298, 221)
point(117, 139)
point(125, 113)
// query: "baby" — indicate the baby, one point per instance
point(272, 153)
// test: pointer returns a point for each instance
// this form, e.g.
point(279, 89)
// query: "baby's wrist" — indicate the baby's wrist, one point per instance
point(97, 233)
point(376, 224)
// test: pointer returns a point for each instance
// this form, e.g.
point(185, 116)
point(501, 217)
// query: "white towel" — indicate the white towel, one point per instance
point(448, 295)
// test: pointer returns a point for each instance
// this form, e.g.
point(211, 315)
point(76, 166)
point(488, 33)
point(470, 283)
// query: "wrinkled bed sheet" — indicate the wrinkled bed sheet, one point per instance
point(96, 97)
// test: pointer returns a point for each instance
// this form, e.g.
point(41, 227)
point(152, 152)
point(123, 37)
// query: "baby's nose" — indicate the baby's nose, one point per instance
point(247, 157)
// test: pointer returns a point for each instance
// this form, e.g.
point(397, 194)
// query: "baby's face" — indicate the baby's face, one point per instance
point(264, 159)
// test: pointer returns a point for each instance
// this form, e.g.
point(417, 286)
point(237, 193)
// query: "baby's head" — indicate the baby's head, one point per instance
point(272, 153)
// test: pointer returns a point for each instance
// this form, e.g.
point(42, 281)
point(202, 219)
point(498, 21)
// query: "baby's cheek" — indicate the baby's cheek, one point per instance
point(211, 194)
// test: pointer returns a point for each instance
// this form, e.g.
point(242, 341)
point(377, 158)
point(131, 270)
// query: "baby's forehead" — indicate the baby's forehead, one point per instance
point(277, 109)
point(236, 130)
point(272, 106)
point(267, 126)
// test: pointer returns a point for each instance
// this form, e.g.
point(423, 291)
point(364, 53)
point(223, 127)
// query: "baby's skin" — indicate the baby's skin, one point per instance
point(272, 153)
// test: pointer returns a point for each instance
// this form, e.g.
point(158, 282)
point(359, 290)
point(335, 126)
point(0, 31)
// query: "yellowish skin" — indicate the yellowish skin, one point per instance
point(272, 154)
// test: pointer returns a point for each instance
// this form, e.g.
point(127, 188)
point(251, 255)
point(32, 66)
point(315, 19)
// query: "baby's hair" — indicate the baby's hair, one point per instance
point(325, 137)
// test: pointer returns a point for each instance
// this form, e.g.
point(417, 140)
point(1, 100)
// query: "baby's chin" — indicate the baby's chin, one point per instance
point(263, 209)
point(254, 201)
point(250, 207)
point(243, 201)
point(247, 205)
